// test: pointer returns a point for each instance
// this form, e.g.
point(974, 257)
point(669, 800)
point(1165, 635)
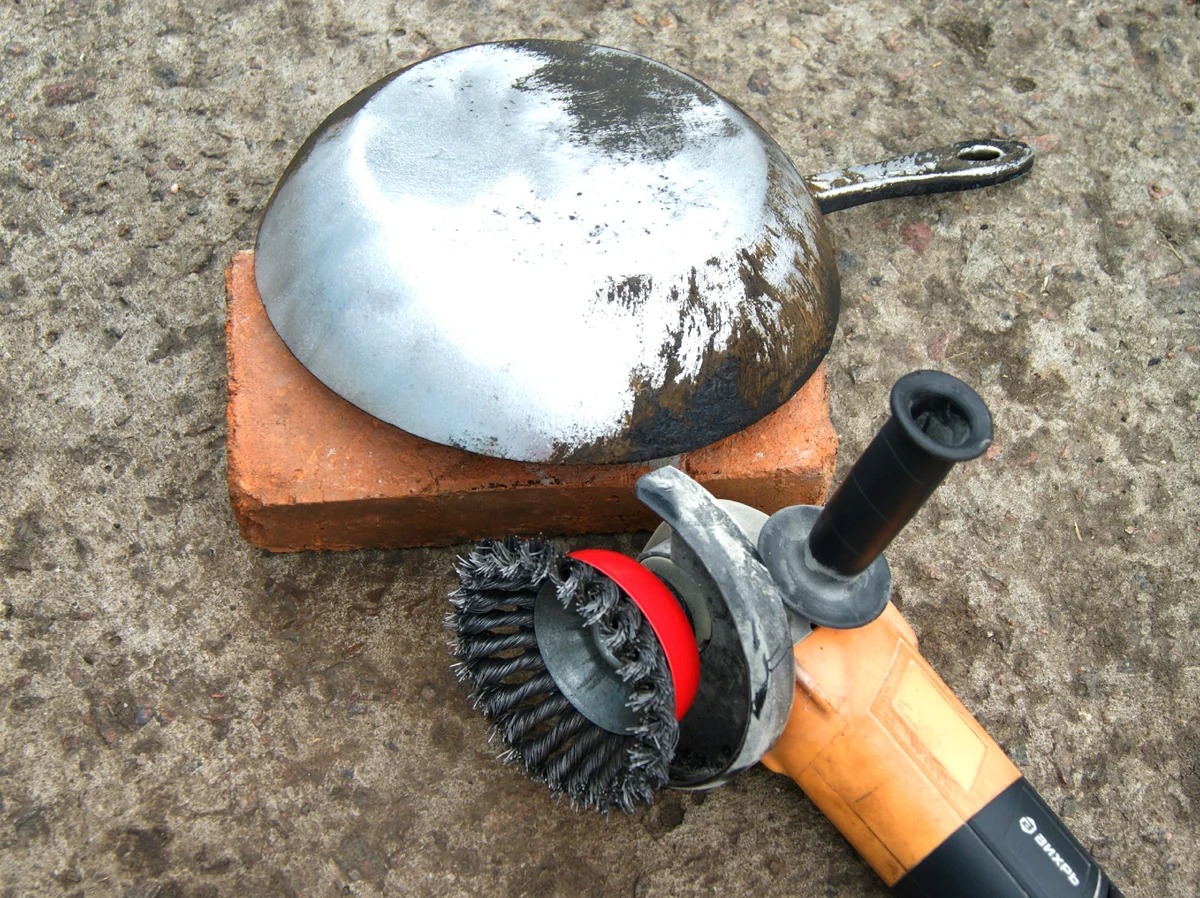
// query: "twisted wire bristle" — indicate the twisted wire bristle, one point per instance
point(497, 655)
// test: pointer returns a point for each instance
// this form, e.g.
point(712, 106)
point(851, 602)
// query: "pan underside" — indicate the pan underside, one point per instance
point(549, 252)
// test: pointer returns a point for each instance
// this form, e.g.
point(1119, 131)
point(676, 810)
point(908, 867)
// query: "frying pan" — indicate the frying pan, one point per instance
point(559, 252)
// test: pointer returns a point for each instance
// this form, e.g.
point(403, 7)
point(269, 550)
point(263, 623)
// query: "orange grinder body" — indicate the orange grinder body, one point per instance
point(883, 747)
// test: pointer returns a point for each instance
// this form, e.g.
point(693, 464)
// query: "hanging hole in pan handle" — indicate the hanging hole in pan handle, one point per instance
point(960, 166)
point(980, 152)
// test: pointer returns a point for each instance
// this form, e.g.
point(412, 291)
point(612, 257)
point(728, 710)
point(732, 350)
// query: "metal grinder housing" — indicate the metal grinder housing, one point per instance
point(806, 666)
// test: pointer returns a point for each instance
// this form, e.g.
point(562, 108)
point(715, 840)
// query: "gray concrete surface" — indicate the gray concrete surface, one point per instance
point(184, 716)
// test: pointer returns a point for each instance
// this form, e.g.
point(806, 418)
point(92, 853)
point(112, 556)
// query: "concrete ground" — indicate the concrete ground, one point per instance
point(185, 716)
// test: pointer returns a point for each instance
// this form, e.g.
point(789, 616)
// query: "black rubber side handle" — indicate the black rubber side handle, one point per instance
point(937, 421)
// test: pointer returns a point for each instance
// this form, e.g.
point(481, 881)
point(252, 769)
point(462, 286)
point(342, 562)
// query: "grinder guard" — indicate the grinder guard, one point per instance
point(745, 675)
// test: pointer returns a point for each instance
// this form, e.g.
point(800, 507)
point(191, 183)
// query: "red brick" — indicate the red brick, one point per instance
point(307, 470)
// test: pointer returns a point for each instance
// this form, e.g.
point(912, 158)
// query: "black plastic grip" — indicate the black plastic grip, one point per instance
point(1016, 847)
point(937, 421)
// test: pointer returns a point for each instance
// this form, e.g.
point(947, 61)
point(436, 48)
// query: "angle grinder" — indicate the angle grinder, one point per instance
point(737, 638)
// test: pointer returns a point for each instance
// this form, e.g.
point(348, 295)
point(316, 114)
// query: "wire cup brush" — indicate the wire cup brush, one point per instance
point(582, 683)
point(738, 638)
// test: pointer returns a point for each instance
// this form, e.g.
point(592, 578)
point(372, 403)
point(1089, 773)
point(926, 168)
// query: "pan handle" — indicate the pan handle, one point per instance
point(960, 166)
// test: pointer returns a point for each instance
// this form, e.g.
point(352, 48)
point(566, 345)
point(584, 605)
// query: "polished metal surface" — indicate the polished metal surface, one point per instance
point(552, 252)
point(557, 252)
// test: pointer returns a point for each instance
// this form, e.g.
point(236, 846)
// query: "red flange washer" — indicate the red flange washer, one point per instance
point(662, 611)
